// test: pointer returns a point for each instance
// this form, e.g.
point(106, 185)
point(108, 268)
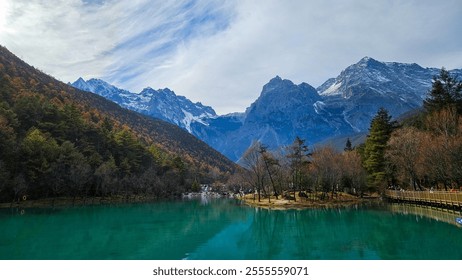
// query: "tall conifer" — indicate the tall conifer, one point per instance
point(446, 92)
point(376, 142)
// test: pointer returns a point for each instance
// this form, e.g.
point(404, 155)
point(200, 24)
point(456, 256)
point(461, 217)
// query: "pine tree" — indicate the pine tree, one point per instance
point(446, 92)
point(374, 151)
point(348, 146)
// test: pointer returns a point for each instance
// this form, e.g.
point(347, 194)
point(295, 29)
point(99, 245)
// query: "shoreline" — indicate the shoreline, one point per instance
point(342, 200)
point(78, 201)
point(118, 199)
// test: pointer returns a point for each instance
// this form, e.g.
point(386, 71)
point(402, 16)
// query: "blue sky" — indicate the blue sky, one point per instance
point(222, 52)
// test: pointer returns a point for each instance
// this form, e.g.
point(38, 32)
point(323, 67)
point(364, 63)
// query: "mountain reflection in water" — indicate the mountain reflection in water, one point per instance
point(224, 229)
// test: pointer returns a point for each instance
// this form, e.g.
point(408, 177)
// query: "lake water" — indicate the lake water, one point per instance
point(224, 229)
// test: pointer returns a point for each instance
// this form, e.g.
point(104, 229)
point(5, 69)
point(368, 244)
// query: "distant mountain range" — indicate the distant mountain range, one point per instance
point(163, 104)
point(167, 137)
point(341, 106)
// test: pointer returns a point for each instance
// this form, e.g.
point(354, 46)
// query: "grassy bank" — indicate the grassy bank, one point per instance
point(314, 201)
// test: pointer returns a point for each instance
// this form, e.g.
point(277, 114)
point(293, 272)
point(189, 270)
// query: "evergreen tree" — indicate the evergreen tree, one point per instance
point(348, 146)
point(70, 171)
point(446, 92)
point(374, 151)
point(106, 177)
point(38, 152)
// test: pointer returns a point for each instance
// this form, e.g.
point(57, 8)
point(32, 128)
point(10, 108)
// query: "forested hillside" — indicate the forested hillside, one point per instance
point(56, 140)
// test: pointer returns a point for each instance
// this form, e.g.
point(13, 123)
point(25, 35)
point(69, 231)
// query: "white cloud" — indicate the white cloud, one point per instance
point(69, 38)
point(222, 53)
point(305, 41)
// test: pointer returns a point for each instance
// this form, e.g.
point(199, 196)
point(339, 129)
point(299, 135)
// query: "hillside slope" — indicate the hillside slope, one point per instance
point(44, 121)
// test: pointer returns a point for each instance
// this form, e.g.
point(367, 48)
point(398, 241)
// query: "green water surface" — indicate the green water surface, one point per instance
point(222, 229)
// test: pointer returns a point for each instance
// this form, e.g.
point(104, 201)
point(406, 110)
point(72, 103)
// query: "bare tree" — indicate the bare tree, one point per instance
point(298, 155)
point(281, 171)
point(269, 162)
point(238, 182)
point(327, 166)
point(442, 147)
point(404, 150)
point(354, 172)
point(253, 162)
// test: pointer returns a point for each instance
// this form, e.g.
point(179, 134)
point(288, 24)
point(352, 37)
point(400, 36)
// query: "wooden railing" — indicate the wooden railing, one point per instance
point(438, 198)
point(443, 215)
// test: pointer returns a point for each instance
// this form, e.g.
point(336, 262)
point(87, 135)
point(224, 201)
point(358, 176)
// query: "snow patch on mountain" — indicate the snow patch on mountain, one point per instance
point(318, 106)
point(333, 89)
point(340, 106)
point(163, 103)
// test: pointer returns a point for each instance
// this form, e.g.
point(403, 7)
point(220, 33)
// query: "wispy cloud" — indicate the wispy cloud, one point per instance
point(222, 52)
point(111, 39)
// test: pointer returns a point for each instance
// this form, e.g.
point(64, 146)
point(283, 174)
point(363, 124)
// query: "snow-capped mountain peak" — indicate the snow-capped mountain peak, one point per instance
point(341, 106)
point(163, 103)
point(80, 82)
point(367, 61)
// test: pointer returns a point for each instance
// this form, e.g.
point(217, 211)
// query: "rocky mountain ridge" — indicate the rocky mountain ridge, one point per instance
point(341, 106)
point(163, 104)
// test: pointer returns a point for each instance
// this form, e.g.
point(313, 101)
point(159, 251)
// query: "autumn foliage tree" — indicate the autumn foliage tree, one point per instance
point(296, 170)
point(405, 151)
point(327, 167)
point(429, 155)
point(353, 173)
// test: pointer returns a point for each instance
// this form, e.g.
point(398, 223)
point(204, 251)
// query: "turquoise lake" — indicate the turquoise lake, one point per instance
point(224, 229)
